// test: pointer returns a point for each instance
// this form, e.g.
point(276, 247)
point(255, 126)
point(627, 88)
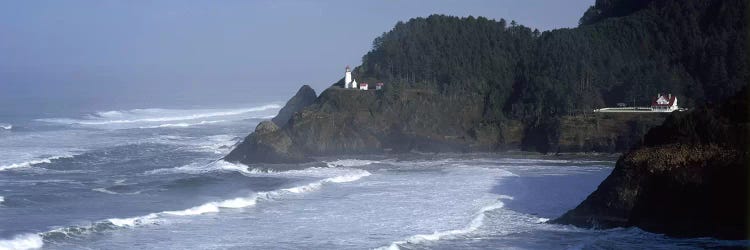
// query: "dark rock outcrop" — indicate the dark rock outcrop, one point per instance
point(689, 179)
point(267, 144)
point(348, 121)
point(304, 97)
point(603, 132)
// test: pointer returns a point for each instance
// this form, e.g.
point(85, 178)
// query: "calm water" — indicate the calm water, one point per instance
point(152, 179)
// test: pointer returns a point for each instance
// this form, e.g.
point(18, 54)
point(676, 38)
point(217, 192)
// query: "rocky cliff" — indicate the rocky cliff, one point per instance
point(592, 132)
point(303, 98)
point(689, 179)
point(266, 144)
point(349, 121)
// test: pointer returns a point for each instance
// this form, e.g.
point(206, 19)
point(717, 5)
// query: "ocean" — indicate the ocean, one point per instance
point(153, 179)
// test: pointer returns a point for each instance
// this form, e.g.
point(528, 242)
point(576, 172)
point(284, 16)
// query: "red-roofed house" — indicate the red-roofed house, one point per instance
point(664, 103)
point(378, 86)
point(363, 86)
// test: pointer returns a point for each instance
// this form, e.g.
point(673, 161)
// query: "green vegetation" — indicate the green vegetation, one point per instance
point(474, 84)
point(623, 51)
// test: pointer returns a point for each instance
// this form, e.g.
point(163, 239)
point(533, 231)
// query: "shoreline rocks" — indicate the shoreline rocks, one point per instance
point(689, 179)
point(268, 144)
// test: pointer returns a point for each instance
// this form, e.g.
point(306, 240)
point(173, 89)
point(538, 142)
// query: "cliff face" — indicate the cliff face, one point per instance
point(266, 144)
point(352, 121)
point(689, 179)
point(303, 98)
point(597, 132)
point(605, 132)
point(348, 121)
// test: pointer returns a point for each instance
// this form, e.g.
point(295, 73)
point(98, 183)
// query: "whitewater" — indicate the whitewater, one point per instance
point(153, 178)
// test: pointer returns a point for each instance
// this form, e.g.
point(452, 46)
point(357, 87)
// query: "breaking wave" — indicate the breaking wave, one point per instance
point(104, 190)
point(198, 168)
point(5, 126)
point(183, 124)
point(334, 174)
point(145, 118)
point(23, 241)
point(475, 224)
point(349, 163)
point(33, 162)
point(219, 144)
point(31, 240)
point(240, 202)
point(107, 191)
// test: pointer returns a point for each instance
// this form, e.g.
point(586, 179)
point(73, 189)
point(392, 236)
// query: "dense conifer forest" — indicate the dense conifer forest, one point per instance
point(622, 52)
point(475, 84)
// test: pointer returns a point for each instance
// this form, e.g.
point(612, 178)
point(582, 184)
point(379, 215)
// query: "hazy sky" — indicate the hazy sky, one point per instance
point(144, 53)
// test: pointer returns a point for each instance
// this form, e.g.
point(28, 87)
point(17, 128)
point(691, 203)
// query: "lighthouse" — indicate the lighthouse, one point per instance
point(349, 81)
point(348, 78)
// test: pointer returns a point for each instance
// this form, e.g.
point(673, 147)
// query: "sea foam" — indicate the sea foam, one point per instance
point(210, 207)
point(476, 222)
point(134, 221)
point(104, 190)
point(33, 162)
point(198, 168)
point(157, 115)
point(225, 166)
point(241, 202)
point(107, 191)
point(23, 241)
point(349, 163)
point(183, 124)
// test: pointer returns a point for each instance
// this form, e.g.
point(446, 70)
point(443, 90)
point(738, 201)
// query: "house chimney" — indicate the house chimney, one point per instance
point(670, 96)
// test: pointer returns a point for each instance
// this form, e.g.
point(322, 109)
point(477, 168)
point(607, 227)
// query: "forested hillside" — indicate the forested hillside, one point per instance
point(623, 51)
point(475, 84)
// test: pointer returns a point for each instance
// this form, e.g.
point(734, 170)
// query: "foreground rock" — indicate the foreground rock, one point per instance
point(304, 97)
point(689, 179)
point(350, 121)
point(266, 144)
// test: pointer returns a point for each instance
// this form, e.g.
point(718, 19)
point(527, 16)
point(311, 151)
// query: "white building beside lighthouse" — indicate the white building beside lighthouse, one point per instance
point(349, 82)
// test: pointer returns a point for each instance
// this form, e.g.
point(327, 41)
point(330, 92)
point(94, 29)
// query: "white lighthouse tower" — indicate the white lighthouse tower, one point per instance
point(348, 78)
